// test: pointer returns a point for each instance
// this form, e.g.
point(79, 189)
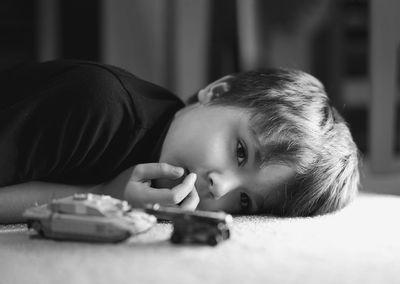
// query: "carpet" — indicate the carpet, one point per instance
point(359, 244)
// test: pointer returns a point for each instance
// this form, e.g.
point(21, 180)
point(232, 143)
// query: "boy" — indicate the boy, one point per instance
point(255, 142)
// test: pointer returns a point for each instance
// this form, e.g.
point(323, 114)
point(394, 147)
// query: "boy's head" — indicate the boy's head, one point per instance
point(268, 138)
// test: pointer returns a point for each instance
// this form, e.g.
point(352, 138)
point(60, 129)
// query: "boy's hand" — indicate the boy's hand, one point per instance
point(138, 191)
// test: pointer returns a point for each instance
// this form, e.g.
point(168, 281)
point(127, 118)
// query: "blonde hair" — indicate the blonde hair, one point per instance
point(297, 125)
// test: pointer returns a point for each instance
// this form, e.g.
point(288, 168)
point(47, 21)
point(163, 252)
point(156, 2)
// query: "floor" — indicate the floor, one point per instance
point(357, 245)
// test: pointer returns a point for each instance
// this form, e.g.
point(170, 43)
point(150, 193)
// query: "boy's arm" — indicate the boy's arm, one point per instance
point(132, 185)
point(14, 199)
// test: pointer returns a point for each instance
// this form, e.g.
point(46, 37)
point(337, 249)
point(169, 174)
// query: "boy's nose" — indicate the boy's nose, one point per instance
point(220, 184)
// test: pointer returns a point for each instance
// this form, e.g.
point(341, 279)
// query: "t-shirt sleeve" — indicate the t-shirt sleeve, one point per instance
point(64, 123)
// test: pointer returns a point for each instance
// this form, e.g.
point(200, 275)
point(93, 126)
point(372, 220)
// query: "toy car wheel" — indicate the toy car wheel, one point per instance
point(226, 234)
point(176, 239)
point(127, 235)
point(213, 240)
point(37, 226)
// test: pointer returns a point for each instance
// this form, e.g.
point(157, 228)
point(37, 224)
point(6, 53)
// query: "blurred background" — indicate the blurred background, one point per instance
point(184, 44)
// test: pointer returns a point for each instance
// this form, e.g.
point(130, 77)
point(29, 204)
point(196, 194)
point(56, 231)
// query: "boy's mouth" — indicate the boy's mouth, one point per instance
point(180, 179)
point(185, 173)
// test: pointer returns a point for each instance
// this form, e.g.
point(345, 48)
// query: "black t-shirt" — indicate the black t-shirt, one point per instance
point(78, 122)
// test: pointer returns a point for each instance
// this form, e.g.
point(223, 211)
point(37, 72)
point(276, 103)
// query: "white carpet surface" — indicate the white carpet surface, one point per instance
point(360, 244)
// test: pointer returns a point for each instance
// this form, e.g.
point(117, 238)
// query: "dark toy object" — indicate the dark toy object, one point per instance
point(194, 226)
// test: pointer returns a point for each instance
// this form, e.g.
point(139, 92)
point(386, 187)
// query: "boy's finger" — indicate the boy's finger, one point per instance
point(181, 191)
point(191, 201)
point(156, 170)
point(164, 196)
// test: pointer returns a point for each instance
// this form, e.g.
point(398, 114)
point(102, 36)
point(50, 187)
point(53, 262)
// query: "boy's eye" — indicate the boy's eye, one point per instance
point(241, 154)
point(244, 202)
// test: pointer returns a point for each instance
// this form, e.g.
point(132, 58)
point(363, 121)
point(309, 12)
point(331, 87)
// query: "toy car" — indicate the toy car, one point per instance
point(194, 226)
point(88, 217)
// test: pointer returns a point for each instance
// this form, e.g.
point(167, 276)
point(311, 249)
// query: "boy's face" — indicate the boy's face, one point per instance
point(217, 143)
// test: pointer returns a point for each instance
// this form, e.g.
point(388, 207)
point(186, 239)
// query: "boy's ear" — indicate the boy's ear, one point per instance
point(214, 89)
